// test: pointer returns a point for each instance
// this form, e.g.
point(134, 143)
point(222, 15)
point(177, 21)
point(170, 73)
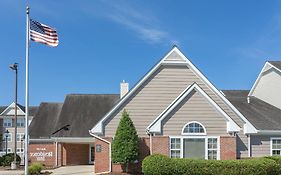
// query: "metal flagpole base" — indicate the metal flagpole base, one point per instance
point(13, 166)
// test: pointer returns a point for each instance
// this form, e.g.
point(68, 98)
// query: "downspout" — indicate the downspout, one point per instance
point(109, 144)
point(56, 153)
point(249, 146)
point(150, 143)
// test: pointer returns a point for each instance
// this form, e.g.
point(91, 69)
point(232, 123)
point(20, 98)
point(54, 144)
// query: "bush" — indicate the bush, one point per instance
point(35, 168)
point(277, 159)
point(9, 158)
point(159, 164)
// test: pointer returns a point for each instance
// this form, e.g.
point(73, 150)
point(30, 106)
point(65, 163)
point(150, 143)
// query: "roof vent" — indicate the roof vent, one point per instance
point(124, 88)
point(248, 99)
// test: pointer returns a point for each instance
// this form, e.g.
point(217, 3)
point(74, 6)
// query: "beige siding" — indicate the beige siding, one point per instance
point(156, 93)
point(268, 88)
point(260, 145)
point(195, 108)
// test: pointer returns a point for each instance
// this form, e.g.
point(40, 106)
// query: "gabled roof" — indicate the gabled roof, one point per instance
point(181, 59)
point(32, 109)
point(261, 114)
point(268, 65)
point(156, 125)
point(12, 106)
point(277, 64)
point(45, 120)
point(78, 112)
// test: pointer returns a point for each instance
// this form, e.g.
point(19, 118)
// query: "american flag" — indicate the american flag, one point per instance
point(43, 34)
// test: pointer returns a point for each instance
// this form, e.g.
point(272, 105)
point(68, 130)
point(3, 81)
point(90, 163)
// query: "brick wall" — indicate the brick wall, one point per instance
point(44, 153)
point(160, 145)
point(75, 154)
point(102, 156)
point(227, 147)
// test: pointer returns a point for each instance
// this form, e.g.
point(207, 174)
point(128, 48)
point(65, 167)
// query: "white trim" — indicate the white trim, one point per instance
point(73, 139)
point(196, 137)
point(272, 138)
point(156, 127)
point(248, 127)
point(204, 133)
point(11, 106)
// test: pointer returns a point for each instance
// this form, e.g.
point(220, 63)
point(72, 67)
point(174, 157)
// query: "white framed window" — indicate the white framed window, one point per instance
point(20, 122)
point(212, 148)
point(20, 137)
point(7, 122)
point(275, 146)
point(197, 147)
point(9, 137)
point(193, 128)
point(175, 147)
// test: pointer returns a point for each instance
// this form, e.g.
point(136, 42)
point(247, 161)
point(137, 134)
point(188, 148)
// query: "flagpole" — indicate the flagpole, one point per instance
point(26, 93)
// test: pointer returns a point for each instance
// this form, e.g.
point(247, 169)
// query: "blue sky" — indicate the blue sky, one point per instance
point(105, 42)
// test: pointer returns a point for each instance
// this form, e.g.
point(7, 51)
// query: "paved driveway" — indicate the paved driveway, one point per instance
point(66, 170)
point(74, 170)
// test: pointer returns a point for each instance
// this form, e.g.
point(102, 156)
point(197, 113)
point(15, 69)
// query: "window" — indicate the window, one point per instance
point(175, 147)
point(7, 122)
point(212, 148)
point(20, 122)
point(276, 146)
point(20, 136)
point(195, 147)
point(9, 137)
point(194, 128)
point(20, 150)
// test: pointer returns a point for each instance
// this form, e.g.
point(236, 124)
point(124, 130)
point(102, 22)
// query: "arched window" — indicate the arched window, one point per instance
point(194, 128)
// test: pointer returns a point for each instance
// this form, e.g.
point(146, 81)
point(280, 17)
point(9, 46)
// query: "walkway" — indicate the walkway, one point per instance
point(66, 170)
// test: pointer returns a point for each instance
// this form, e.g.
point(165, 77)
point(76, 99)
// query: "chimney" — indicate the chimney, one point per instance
point(124, 88)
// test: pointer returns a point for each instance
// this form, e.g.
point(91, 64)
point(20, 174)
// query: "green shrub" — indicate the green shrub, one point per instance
point(277, 159)
point(159, 164)
point(9, 158)
point(125, 148)
point(35, 168)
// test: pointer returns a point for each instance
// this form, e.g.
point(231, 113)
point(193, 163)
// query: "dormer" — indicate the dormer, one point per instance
point(267, 87)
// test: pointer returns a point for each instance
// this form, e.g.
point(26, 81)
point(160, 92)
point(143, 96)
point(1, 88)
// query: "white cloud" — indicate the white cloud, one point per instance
point(143, 23)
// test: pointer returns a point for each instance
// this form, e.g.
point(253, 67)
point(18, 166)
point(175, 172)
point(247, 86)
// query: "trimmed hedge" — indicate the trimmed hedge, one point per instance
point(160, 164)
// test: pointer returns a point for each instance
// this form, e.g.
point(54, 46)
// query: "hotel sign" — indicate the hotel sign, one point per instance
point(41, 154)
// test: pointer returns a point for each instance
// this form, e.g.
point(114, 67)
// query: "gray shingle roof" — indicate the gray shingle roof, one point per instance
point(276, 64)
point(80, 111)
point(261, 114)
point(2, 108)
point(44, 120)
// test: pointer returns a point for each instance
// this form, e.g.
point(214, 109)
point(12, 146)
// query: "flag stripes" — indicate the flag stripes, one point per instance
point(43, 34)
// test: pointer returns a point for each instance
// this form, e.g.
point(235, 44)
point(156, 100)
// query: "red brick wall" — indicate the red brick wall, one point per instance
point(160, 145)
point(44, 153)
point(74, 154)
point(227, 147)
point(102, 158)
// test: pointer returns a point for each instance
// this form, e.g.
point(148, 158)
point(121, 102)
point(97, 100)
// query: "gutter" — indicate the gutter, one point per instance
point(109, 144)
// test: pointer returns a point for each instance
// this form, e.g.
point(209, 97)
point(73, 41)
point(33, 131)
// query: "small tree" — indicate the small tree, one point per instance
point(125, 143)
